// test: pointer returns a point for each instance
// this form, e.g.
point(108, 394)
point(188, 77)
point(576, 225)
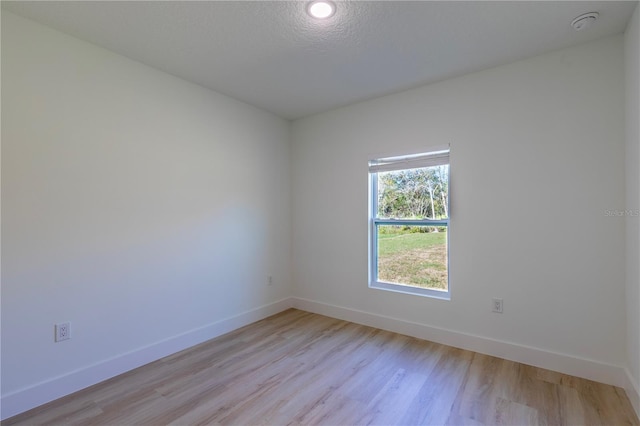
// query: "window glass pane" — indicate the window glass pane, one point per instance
point(415, 256)
point(414, 193)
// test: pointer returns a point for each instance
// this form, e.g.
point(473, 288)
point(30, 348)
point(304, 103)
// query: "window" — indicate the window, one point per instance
point(409, 224)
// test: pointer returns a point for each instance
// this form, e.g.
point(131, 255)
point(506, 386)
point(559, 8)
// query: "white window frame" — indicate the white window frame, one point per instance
point(434, 157)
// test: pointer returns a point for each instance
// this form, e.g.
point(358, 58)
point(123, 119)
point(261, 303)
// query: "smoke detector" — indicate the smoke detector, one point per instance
point(584, 21)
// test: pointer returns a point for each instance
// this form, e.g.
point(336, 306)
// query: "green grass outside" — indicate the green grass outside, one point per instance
point(414, 259)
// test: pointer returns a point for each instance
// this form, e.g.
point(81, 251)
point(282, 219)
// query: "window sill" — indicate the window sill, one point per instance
point(416, 291)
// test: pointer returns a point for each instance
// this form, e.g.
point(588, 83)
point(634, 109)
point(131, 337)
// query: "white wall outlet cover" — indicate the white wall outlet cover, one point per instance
point(496, 305)
point(63, 331)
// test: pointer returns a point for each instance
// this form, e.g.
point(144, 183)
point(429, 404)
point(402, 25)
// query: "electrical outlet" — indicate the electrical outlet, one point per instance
point(270, 280)
point(496, 305)
point(63, 331)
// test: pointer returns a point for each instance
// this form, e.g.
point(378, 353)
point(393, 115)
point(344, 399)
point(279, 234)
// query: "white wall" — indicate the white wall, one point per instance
point(632, 157)
point(134, 204)
point(537, 152)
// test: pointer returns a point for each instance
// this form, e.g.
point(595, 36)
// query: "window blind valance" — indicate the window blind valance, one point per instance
point(429, 159)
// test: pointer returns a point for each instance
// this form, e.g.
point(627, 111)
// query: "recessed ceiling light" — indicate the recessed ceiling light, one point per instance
point(321, 9)
point(584, 21)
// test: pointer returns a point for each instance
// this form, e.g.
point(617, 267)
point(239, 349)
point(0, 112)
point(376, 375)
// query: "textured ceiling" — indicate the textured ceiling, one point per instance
point(272, 55)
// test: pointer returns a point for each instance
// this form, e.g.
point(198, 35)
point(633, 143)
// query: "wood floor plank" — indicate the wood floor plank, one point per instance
point(298, 368)
point(538, 394)
point(436, 398)
point(571, 412)
point(511, 413)
point(395, 397)
point(479, 394)
point(73, 412)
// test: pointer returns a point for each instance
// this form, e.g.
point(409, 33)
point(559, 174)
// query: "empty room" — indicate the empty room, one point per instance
point(320, 212)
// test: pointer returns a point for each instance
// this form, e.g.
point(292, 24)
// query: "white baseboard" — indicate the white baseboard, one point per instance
point(632, 388)
point(41, 393)
point(567, 364)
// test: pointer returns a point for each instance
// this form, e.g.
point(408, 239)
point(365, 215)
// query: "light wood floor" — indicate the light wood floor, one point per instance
point(302, 368)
